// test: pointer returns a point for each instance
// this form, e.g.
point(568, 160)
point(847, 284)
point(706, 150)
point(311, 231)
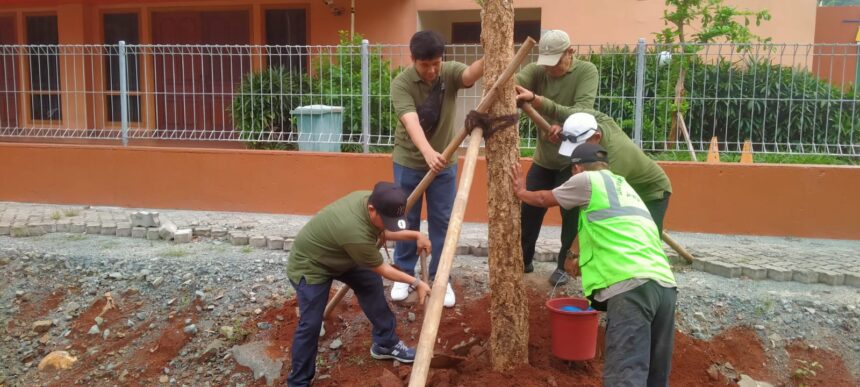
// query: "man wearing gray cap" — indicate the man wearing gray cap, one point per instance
point(556, 78)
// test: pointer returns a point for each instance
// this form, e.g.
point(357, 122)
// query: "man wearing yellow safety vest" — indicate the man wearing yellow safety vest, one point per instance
point(624, 269)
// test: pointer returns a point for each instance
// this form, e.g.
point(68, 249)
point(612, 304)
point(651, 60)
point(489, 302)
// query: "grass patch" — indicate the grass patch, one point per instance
point(76, 237)
point(109, 245)
point(174, 253)
point(70, 212)
point(760, 158)
point(247, 249)
point(56, 215)
point(805, 371)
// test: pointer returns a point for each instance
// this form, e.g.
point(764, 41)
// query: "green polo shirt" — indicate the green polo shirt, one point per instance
point(625, 158)
point(577, 88)
point(407, 93)
point(336, 240)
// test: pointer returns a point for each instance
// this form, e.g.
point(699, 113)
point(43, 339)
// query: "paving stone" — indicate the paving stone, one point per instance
point(699, 263)
point(152, 234)
point(5, 228)
point(257, 241)
point(48, 226)
point(238, 239)
point(288, 244)
point(804, 276)
point(275, 243)
point(545, 254)
point(777, 273)
point(138, 232)
point(852, 279)
point(219, 233)
point(36, 229)
point(123, 230)
point(79, 227)
point(723, 269)
point(64, 226)
point(145, 219)
point(109, 229)
point(754, 272)
point(94, 228)
point(202, 231)
point(19, 231)
point(182, 236)
point(831, 278)
point(463, 249)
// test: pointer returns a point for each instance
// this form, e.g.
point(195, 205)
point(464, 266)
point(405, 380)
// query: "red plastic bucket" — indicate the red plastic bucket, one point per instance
point(574, 334)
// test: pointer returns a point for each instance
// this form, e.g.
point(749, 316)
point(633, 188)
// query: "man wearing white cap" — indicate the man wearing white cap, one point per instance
point(556, 78)
point(625, 158)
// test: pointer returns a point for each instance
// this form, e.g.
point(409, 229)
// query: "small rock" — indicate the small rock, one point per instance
point(758, 327)
point(258, 311)
point(94, 330)
point(410, 316)
point(115, 276)
point(264, 325)
point(389, 379)
point(699, 315)
point(72, 307)
point(335, 344)
point(279, 318)
point(809, 310)
point(141, 316)
point(200, 294)
point(58, 360)
point(211, 350)
point(157, 282)
point(42, 326)
point(163, 379)
point(190, 329)
point(105, 334)
point(99, 320)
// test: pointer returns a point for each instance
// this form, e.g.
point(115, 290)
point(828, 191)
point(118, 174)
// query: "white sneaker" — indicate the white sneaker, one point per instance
point(399, 291)
point(450, 299)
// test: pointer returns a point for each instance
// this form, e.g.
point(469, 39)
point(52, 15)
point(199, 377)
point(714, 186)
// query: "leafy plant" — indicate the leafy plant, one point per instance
point(70, 212)
point(336, 81)
point(56, 215)
point(174, 253)
point(806, 370)
point(261, 108)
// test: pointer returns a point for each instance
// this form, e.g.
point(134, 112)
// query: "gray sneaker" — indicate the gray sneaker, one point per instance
point(399, 352)
point(558, 277)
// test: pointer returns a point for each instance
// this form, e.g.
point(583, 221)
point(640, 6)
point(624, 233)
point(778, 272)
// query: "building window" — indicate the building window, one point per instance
point(8, 73)
point(287, 27)
point(44, 57)
point(121, 27)
point(470, 32)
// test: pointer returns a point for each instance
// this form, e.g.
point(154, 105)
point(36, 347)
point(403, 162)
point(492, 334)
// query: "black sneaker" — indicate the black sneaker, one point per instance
point(528, 268)
point(399, 352)
point(558, 277)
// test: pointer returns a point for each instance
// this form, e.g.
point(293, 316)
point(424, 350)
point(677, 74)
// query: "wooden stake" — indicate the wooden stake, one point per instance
point(538, 119)
point(746, 153)
point(430, 326)
point(483, 107)
point(714, 151)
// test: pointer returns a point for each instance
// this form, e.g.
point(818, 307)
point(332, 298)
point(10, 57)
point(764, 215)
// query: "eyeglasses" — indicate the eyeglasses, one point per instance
point(573, 137)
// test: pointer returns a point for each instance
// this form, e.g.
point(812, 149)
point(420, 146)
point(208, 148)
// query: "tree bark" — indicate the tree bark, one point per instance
point(509, 311)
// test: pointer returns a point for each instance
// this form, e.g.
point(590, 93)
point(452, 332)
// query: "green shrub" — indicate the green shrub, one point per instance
point(336, 80)
point(261, 108)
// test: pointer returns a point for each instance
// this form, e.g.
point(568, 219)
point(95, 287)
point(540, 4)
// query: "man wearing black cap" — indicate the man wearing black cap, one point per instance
point(624, 269)
point(342, 242)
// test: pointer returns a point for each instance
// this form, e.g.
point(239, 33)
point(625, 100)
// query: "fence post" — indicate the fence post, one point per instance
point(640, 93)
point(123, 93)
point(365, 96)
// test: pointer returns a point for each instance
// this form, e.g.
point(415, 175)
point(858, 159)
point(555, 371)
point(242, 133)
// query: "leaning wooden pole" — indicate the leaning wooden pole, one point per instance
point(483, 107)
point(433, 313)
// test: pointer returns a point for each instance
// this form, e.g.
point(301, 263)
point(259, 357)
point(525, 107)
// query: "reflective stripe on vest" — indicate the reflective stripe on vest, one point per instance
point(615, 208)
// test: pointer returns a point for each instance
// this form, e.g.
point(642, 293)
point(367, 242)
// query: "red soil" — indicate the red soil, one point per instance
point(829, 369)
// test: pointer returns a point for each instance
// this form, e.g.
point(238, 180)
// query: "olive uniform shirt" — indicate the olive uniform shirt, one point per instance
point(408, 92)
point(576, 88)
point(339, 238)
point(625, 158)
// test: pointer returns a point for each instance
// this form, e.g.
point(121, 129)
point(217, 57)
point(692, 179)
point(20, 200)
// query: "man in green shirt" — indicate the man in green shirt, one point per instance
point(424, 97)
point(557, 77)
point(625, 158)
point(342, 242)
point(624, 269)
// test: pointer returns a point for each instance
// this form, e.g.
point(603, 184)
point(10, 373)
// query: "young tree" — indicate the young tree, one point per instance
point(714, 22)
point(509, 313)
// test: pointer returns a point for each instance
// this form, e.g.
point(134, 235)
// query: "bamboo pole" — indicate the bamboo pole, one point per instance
point(483, 107)
point(541, 123)
point(430, 326)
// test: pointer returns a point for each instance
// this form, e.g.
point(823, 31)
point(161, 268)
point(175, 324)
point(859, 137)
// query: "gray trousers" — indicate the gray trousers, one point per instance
point(640, 333)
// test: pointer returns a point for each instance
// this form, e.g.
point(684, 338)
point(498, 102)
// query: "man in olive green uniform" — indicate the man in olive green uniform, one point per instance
point(559, 78)
point(625, 158)
point(624, 269)
point(342, 242)
point(424, 97)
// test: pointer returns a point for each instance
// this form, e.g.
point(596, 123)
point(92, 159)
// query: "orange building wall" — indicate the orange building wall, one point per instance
point(801, 201)
point(838, 63)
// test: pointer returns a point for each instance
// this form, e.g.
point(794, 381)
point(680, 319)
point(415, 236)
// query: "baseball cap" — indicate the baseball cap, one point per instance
point(589, 153)
point(552, 45)
point(389, 200)
point(577, 128)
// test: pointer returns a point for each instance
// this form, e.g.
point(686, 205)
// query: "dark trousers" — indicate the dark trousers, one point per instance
point(367, 286)
point(658, 208)
point(640, 333)
point(537, 179)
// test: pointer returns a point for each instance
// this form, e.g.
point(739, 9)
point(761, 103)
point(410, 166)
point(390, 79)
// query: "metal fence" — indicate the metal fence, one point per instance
point(783, 98)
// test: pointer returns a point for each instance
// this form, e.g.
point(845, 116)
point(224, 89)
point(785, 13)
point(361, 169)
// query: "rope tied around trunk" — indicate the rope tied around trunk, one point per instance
point(490, 125)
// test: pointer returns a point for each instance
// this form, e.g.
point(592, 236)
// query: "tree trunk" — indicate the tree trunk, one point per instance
point(509, 311)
